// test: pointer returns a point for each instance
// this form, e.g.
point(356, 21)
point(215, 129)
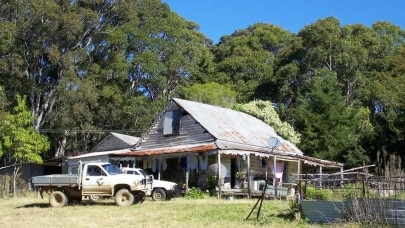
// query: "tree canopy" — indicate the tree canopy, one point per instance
point(90, 67)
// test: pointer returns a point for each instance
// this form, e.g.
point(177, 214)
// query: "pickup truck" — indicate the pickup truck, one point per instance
point(161, 190)
point(93, 179)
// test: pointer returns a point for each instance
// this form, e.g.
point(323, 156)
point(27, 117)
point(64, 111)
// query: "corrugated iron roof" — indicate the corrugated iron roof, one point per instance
point(130, 140)
point(95, 154)
point(235, 127)
point(171, 150)
point(107, 143)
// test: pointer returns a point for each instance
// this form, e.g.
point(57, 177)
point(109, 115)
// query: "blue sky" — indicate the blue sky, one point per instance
point(222, 17)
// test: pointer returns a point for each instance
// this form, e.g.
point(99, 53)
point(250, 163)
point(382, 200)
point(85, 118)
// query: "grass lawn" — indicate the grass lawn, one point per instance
point(32, 211)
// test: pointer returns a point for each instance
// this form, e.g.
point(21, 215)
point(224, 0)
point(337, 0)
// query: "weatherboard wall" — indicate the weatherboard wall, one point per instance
point(190, 133)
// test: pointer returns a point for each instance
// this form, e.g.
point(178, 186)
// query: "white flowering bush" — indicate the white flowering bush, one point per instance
point(265, 111)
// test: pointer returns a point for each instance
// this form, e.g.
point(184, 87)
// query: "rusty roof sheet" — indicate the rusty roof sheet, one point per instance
point(235, 127)
point(96, 154)
point(170, 150)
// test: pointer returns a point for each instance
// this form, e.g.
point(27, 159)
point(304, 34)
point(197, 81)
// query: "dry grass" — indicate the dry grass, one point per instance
point(32, 211)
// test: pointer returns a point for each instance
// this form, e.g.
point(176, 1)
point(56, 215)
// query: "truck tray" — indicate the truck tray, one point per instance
point(55, 180)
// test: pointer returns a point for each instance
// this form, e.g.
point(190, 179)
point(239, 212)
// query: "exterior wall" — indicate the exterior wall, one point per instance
point(190, 133)
point(26, 172)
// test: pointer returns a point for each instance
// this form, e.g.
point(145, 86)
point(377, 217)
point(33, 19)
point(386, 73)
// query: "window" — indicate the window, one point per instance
point(95, 171)
point(171, 123)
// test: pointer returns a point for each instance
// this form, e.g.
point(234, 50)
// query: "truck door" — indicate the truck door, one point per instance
point(96, 181)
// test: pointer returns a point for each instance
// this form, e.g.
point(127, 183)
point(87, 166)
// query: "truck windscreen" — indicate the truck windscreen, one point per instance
point(112, 169)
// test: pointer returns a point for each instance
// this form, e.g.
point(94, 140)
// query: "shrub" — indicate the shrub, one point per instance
point(194, 193)
point(320, 194)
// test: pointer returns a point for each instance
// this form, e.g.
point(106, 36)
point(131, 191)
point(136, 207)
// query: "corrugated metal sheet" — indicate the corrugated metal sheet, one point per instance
point(171, 150)
point(359, 210)
point(115, 141)
point(232, 126)
point(389, 210)
point(322, 211)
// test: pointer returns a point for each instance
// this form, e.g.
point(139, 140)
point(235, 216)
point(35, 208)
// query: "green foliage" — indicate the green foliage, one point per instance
point(210, 184)
point(322, 194)
point(20, 142)
point(195, 193)
point(332, 130)
point(265, 111)
point(210, 93)
point(245, 59)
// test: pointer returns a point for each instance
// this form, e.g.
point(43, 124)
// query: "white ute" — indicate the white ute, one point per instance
point(93, 179)
point(161, 190)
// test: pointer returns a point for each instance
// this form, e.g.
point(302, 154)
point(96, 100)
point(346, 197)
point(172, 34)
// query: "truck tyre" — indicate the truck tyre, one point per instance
point(139, 197)
point(94, 198)
point(124, 198)
point(158, 194)
point(58, 199)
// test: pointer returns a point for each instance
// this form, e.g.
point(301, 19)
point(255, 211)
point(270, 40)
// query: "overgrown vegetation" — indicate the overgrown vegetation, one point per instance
point(371, 200)
point(195, 193)
point(32, 211)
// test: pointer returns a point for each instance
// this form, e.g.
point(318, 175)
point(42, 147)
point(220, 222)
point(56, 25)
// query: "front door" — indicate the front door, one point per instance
point(233, 172)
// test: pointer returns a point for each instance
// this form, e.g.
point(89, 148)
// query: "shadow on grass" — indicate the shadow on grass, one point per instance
point(36, 205)
point(71, 204)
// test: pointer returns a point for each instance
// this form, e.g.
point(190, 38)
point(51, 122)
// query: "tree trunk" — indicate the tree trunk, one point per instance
point(15, 173)
point(60, 151)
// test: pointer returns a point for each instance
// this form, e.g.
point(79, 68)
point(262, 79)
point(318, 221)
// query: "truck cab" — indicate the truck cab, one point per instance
point(103, 179)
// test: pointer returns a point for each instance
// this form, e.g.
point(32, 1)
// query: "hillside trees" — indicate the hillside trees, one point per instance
point(165, 51)
point(332, 83)
point(210, 93)
point(246, 58)
point(359, 60)
point(330, 128)
point(90, 66)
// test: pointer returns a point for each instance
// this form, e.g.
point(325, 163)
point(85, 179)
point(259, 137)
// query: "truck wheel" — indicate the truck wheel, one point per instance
point(58, 199)
point(94, 198)
point(158, 194)
point(139, 197)
point(124, 198)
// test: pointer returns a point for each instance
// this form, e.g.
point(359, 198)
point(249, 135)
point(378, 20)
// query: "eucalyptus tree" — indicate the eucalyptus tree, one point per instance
point(85, 65)
point(47, 44)
point(210, 93)
point(165, 51)
point(139, 65)
point(246, 59)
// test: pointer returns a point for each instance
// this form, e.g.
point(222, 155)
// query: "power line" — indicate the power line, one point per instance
point(94, 131)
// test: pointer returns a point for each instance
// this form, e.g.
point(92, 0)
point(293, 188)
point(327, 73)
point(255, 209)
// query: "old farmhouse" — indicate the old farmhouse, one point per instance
point(192, 143)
